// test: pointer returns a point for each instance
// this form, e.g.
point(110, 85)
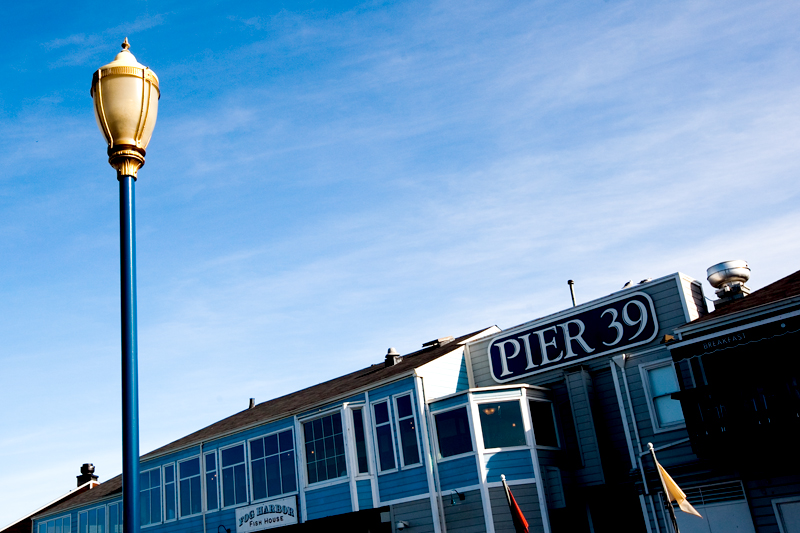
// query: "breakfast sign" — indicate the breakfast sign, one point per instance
point(609, 327)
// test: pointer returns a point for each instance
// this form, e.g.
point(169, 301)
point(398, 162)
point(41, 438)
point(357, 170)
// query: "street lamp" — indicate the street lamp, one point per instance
point(126, 95)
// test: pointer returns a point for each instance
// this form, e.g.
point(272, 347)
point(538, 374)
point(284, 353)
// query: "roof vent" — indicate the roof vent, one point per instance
point(87, 474)
point(252, 403)
point(728, 278)
point(392, 357)
point(438, 342)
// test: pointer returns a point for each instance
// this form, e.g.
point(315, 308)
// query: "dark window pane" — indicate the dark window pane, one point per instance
point(184, 492)
point(112, 519)
point(312, 472)
point(385, 449)
point(286, 441)
point(327, 426)
point(381, 413)
point(452, 432)
point(101, 520)
point(259, 479)
point(337, 422)
point(408, 439)
point(82, 525)
point(241, 483)
point(155, 478)
point(228, 496)
point(273, 475)
point(256, 449)
point(211, 462)
point(169, 501)
point(271, 445)
point(144, 481)
point(361, 445)
point(288, 476)
point(330, 450)
point(189, 468)
point(196, 490)
point(341, 466)
point(501, 424)
point(169, 474)
point(544, 428)
point(233, 455)
point(338, 444)
point(317, 428)
point(319, 450)
point(404, 406)
point(144, 508)
point(330, 465)
point(211, 491)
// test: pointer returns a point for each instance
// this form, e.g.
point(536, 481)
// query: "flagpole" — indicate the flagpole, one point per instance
point(664, 488)
point(505, 487)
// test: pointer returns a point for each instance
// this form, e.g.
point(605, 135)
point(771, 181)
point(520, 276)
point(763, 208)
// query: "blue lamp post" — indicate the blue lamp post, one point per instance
point(125, 95)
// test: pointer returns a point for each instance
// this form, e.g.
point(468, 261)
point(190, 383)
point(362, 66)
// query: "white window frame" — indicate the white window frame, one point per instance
point(366, 422)
point(389, 411)
point(484, 401)
point(62, 517)
point(776, 503)
point(303, 460)
point(178, 482)
point(402, 464)
point(644, 370)
point(555, 424)
point(164, 493)
point(250, 465)
point(221, 488)
point(205, 482)
point(119, 514)
point(161, 492)
point(473, 437)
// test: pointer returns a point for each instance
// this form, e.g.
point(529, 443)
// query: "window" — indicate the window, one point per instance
point(272, 465)
point(361, 441)
point(383, 436)
point(189, 489)
point(452, 432)
point(543, 422)
point(169, 493)
point(115, 517)
point(407, 428)
point(212, 499)
point(661, 381)
point(57, 525)
point(149, 497)
point(324, 442)
point(501, 424)
point(234, 481)
point(91, 521)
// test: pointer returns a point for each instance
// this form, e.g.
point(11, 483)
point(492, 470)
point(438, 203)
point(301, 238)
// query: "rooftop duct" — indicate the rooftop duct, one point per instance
point(728, 279)
point(392, 357)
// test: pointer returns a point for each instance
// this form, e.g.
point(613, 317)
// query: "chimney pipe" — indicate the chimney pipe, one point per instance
point(392, 358)
point(572, 291)
point(252, 403)
point(87, 474)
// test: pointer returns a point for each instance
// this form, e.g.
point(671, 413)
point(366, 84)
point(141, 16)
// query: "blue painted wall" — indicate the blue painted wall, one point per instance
point(402, 484)
point(328, 501)
point(364, 490)
point(515, 465)
point(461, 472)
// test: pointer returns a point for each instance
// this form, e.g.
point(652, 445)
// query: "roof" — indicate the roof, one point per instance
point(282, 407)
point(18, 524)
point(782, 289)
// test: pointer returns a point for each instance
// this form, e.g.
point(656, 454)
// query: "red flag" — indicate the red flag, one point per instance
point(520, 524)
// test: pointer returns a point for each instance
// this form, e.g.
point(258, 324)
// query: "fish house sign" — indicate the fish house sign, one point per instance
point(608, 327)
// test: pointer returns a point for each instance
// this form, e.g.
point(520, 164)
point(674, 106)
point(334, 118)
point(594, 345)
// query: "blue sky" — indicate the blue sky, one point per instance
point(329, 179)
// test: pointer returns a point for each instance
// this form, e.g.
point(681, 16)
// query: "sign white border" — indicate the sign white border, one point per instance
point(266, 515)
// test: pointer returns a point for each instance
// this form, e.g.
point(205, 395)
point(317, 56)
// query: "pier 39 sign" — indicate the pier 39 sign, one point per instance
point(611, 326)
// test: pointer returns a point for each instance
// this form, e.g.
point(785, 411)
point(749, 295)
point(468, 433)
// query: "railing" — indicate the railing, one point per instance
point(741, 419)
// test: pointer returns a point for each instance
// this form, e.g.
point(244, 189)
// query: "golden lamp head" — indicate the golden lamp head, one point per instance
point(125, 95)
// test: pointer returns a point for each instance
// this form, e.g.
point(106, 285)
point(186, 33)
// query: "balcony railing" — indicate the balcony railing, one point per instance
point(736, 419)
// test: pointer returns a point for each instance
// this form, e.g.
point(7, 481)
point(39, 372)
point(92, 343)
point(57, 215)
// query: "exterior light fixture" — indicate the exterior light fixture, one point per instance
point(125, 95)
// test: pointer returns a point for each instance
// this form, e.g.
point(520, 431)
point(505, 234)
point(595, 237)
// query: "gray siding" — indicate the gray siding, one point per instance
point(466, 516)
point(418, 514)
point(528, 502)
point(579, 386)
point(760, 494)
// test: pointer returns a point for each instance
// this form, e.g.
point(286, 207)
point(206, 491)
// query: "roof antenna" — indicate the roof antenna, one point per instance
point(572, 291)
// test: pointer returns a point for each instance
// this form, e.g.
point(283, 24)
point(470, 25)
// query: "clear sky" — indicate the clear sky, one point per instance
point(329, 179)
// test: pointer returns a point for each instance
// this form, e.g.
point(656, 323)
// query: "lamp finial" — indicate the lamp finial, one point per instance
point(125, 44)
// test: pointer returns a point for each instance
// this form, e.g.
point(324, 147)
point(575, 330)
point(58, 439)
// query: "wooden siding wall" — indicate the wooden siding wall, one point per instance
point(579, 387)
point(466, 516)
point(453, 401)
point(403, 484)
point(417, 513)
point(528, 502)
point(364, 491)
point(760, 494)
point(458, 473)
point(445, 375)
point(328, 501)
point(515, 465)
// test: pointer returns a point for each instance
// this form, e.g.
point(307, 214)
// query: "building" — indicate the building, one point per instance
point(563, 406)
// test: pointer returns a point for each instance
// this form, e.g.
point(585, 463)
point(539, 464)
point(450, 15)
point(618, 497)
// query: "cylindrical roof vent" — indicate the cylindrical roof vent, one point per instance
point(729, 279)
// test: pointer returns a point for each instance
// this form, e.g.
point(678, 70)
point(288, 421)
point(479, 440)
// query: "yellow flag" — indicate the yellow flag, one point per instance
point(675, 493)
